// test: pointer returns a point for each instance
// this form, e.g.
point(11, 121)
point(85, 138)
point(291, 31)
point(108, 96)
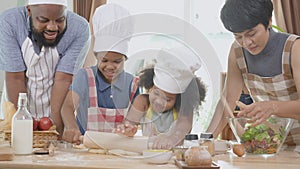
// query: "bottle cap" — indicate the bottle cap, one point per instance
point(206, 135)
point(191, 137)
point(23, 95)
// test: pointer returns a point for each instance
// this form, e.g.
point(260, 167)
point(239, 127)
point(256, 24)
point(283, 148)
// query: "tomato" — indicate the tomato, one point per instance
point(35, 124)
point(45, 123)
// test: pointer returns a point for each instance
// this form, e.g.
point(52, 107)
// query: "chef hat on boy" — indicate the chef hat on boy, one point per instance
point(113, 28)
point(54, 2)
point(175, 69)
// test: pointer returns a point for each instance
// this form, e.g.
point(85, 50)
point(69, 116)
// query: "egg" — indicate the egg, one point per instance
point(238, 149)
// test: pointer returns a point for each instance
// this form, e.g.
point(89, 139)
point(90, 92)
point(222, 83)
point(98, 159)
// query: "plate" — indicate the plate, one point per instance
point(183, 165)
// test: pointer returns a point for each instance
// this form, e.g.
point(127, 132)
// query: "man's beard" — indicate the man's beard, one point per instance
point(41, 40)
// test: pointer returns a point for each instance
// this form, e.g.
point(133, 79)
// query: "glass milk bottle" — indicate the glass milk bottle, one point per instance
point(22, 128)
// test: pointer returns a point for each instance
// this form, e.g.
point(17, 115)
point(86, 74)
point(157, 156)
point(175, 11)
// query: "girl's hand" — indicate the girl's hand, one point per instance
point(126, 129)
point(161, 141)
point(258, 112)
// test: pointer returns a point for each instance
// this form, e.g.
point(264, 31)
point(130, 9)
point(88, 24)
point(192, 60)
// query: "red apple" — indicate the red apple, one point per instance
point(45, 123)
point(35, 124)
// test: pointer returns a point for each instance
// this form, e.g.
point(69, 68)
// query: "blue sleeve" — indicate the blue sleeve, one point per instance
point(80, 83)
point(11, 59)
point(80, 86)
point(78, 39)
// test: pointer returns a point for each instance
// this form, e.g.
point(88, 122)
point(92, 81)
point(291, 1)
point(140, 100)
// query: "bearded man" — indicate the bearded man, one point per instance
point(42, 45)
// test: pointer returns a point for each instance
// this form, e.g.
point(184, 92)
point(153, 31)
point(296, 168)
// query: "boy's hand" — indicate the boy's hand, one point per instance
point(126, 129)
point(72, 136)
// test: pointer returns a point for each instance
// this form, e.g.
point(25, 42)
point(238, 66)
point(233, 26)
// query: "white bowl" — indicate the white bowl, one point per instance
point(157, 156)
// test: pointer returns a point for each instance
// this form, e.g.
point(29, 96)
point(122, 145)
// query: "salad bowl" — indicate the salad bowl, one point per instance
point(266, 138)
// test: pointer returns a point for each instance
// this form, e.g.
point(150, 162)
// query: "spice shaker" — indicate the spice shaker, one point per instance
point(191, 140)
point(207, 139)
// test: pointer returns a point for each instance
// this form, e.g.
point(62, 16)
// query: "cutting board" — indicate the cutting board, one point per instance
point(6, 154)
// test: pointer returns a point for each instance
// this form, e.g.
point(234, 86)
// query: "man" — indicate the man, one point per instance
point(265, 61)
point(42, 45)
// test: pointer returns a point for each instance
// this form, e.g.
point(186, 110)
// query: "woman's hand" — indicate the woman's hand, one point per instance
point(126, 129)
point(72, 135)
point(258, 112)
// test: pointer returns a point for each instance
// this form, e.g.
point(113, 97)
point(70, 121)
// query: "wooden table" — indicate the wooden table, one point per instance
point(284, 160)
point(288, 159)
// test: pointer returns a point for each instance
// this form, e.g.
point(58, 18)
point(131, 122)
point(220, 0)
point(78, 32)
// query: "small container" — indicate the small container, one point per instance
point(191, 140)
point(207, 139)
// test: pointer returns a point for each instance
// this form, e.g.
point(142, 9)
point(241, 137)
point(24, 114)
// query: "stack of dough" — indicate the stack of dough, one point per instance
point(9, 110)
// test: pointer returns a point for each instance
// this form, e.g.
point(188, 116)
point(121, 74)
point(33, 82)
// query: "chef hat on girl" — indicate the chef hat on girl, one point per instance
point(54, 2)
point(175, 69)
point(113, 28)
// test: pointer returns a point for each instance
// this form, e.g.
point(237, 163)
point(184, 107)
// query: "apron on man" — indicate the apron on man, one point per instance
point(39, 77)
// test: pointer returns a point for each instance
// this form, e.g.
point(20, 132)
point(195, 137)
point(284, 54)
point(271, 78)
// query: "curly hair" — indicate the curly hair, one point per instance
point(186, 101)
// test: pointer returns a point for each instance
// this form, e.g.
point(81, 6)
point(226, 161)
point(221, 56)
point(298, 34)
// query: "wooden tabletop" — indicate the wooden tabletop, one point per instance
point(287, 159)
point(73, 160)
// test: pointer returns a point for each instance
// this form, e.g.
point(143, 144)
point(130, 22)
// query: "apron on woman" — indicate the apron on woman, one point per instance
point(155, 123)
point(280, 87)
point(39, 77)
point(104, 119)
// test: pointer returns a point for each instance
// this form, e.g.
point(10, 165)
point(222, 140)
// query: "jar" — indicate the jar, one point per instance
point(190, 140)
point(198, 156)
point(207, 139)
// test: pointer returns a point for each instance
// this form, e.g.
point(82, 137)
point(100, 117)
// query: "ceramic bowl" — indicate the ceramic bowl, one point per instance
point(266, 138)
point(157, 156)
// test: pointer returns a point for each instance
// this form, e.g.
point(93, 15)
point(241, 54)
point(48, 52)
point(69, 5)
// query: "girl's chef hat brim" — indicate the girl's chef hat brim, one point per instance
point(174, 71)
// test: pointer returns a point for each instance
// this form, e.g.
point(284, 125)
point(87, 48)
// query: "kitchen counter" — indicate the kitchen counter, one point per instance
point(287, 159)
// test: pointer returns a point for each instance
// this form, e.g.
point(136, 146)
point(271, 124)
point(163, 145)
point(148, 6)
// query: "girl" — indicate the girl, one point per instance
point(166, 111)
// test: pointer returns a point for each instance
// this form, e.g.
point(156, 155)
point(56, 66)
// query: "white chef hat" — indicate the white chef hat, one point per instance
point(175, 69)
point(55, 2)
point(113, 28)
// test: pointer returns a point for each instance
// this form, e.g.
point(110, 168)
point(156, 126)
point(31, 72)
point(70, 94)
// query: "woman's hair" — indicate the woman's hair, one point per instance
point(187, 101)
point(240, 15)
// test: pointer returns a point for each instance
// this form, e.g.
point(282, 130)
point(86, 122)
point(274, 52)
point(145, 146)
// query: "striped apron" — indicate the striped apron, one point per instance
point(104, 119)
point(280, 87)
point(39, 77)
point(154, 125)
